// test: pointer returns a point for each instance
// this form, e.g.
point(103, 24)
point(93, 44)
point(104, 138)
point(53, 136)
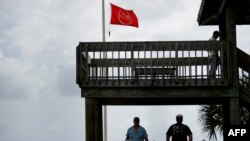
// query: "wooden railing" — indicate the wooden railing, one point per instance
point(150, 64)
point(244, 72)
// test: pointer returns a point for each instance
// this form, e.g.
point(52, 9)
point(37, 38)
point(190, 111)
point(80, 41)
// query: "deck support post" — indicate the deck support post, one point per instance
point(231, 114)
point(93, 115)
point(232, 108)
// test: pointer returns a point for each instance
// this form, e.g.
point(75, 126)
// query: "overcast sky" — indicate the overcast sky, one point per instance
point(39, 99)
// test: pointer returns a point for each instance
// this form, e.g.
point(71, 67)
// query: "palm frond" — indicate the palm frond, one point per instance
point(211, 119)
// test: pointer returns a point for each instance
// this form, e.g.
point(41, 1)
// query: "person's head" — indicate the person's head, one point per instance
point(179, 118)
point(136, 121)
point(216, 34)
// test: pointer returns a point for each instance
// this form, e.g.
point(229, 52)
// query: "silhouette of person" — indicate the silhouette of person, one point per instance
point(213, 56)
point(179, 131)
point(136, 132)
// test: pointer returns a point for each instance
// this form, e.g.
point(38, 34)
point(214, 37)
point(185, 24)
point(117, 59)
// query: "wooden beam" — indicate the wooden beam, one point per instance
point(213, 17)
point(162, 101)
point(151, 82)
point(184, 92)
point(222, 6)
point(231, 38)
point(234, 109)
point(234, 112)
point(185, 61)
point(149, 46)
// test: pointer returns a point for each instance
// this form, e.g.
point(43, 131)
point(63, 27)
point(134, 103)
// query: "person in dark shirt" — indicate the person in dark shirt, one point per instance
point(179, 131)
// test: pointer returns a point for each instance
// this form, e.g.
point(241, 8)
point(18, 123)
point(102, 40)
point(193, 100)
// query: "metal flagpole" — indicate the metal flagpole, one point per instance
point(103, 21)
point(105, 136)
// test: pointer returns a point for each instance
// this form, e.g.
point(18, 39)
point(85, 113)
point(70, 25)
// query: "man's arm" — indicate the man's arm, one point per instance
point(190, 137)
point(169, 133)
point(167, 138)
point(145, 135)
point(127, 135)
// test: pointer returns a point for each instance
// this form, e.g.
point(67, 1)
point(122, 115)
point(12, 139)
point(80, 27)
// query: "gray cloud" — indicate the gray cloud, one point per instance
point(38, 48)
point(4, 130)
point(42, 119)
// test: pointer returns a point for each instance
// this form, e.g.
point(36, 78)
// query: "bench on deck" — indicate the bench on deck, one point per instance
point(154, 73)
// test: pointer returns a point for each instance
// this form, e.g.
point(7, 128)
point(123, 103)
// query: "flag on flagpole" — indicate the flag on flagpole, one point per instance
point(122, 16)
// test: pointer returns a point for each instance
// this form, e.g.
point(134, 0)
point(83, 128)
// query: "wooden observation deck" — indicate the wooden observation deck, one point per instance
point(168, 72)
point(113, 69)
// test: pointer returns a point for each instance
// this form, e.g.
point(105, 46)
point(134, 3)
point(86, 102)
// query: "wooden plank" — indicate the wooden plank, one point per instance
point(146, 46)
point(149, 82)
point(180, 93)
point(185, 61)
point(163, 101)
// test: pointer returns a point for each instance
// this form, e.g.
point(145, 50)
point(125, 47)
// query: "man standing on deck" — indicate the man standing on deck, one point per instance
point(213, 57)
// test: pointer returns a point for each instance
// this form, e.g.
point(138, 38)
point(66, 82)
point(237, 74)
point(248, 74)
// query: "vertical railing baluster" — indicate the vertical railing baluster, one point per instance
point(189, 62)
point(86, 65)
point(170, 62)
point(216, 61)
point(219, 59)
point(132, 61)
point(151, 60)
point(118, 66)
point(243, 58)
point(176, 62)
point(222, 61)
point(100, 54)
point(93, 68)
point(130, 68)
point(138, 61)
point(125, 64)
point(157, 58)
point(195, 56)
point(208, 63)
point(102, 68)
point(112, 63)
point(164, 62)
point(183, 66)
point(105, 56)
point(202, 65)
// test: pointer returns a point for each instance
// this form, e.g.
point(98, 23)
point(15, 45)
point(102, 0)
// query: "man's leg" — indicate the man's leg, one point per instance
point(213, 66)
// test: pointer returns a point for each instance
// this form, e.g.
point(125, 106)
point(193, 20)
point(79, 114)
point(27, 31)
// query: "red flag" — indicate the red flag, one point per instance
point(123, 17)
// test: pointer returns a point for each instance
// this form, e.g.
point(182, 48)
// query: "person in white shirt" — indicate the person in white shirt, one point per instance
point(136, 132)
point(213, 56)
